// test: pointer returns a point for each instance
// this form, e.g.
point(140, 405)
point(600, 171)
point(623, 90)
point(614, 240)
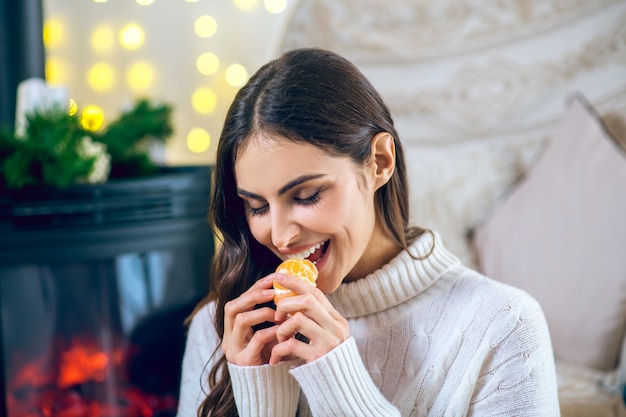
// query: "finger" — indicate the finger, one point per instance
point(244, 338)
point(299, 326)
point(298, 285)
point(255, 295)
point(320, 339)
point(292, 348)
point(259, 340)
point(255, 353)
point(242, 330)
point(315, 306)
point(302, 287)
point(237, 335)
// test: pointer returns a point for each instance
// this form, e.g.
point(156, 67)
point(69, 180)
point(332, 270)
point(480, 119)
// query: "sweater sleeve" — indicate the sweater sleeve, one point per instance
point(265, 391)
point(519, 377)
point(338, 384)
point(258, 390)
point(202, 340)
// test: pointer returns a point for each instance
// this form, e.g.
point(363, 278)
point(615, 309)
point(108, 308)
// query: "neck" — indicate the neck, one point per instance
point(380, 250)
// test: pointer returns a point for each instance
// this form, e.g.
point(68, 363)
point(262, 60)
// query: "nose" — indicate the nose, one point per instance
point(284, 229)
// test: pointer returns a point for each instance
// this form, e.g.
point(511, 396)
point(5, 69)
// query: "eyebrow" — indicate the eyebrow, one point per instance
point(291, 184)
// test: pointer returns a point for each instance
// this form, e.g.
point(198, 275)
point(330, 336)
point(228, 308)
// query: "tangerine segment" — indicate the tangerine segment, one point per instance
point(299, 268)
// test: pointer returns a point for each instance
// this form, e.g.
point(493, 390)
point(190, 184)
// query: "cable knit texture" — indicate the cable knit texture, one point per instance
point(428, 338)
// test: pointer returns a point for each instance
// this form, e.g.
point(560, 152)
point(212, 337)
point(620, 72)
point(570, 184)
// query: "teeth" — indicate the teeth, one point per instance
point(305, 253)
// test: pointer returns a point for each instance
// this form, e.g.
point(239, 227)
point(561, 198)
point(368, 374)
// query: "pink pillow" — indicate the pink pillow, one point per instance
point(561, 235)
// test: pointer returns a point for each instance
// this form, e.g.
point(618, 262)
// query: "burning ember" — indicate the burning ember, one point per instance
point(83, 382)
point(82, 363)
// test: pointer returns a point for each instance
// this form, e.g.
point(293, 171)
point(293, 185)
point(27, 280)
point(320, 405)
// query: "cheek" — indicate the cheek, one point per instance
point(260, 230)
point(351, 207)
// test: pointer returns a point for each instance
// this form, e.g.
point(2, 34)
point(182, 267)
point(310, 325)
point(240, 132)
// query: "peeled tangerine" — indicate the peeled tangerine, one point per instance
point(300, 268)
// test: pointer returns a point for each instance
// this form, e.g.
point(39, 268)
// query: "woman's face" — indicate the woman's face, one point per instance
point(301, 202)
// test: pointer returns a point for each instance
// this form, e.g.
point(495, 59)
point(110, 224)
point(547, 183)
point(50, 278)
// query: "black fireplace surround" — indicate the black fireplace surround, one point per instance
point(95, 284)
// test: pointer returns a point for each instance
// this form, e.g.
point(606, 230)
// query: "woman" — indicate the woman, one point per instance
point(309, 165)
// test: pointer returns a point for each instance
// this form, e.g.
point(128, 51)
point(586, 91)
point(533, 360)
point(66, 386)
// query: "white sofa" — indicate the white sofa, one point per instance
point(479, 91)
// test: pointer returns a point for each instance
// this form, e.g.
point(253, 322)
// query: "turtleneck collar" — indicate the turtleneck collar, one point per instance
point(400, 280)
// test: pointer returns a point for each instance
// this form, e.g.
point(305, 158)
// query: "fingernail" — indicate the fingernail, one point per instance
point(268, 292)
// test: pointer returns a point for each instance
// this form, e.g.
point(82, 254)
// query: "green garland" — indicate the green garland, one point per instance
point(56, 150)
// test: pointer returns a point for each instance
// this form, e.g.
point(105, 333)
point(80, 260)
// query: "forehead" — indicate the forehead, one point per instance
point(271, 162)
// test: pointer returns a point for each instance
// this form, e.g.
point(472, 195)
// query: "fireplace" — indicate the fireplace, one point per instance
point(95, 284)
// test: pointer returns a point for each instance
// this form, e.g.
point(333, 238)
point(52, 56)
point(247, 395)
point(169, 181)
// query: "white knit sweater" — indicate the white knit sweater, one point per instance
point(428, 338)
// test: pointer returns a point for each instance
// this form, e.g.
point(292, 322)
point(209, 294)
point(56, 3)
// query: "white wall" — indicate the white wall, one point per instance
point(170, 47)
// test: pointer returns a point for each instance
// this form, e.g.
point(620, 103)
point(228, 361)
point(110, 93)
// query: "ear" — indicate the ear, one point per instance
point(384, 158)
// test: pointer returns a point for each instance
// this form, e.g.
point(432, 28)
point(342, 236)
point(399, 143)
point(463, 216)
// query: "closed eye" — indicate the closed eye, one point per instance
point(314, 198)
point(308, 201)
point(256, 211)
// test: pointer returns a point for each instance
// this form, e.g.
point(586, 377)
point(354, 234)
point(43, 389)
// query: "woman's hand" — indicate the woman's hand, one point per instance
point(241, 344)
point(309, 314)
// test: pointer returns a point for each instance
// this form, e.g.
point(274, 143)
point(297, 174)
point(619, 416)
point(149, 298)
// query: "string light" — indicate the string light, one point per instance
point(101, 76)
point(55, 71)
point(245, 4)
point(140, 76)
point(204, 100)
point(92, 118)
point(131, 36)
point(205, 26)
point(208, 63)
point(72, 108)
point(275, 6)
point(198, 140)
point(236, 75)
point(102, 39)
point(52, 33)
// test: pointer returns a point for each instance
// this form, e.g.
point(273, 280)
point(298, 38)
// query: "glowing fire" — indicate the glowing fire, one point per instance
point(76, 387)
point(80, 364)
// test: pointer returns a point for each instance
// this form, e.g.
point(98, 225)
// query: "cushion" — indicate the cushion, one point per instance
point(560, 234)
point(582, 393)
point(452, 185)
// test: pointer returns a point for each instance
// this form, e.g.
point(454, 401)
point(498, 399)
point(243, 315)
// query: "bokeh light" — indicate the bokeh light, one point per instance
point(131, 36)
point(208, 63)
point(92, 118)
point(236, 75)
point(275, 6)
point(245, 4)
point(100, 1)
point(140, 76)
point(52, 33)
point(198, 140)
point(101, 76)
point(144, 2)
point(204, 100)
point(55, 71)
point(102, 39)
point(72, 108)
point(205, 26)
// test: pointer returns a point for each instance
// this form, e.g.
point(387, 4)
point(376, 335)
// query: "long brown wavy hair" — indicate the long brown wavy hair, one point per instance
point(307, 96)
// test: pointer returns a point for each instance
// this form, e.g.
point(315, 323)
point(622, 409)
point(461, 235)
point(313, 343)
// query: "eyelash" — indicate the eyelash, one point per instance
point(309, 201)
point(257, 211)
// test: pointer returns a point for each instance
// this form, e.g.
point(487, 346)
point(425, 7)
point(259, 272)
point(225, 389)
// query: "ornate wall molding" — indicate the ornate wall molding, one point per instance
point(369, 31)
